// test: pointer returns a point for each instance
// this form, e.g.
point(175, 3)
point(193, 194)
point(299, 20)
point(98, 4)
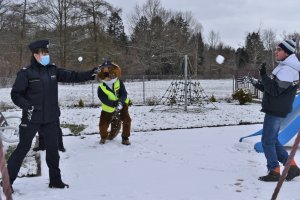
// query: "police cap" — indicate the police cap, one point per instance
point(38, 44)
point(106, 63)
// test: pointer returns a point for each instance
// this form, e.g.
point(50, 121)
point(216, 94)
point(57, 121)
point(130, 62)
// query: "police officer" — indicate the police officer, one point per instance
point(35, 91)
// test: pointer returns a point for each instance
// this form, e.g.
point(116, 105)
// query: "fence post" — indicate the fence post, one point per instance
point(185, 83)
point(144, 99)
point(93, 94)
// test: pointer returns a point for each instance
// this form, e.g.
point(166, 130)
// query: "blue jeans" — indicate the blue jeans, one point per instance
point(273, 150)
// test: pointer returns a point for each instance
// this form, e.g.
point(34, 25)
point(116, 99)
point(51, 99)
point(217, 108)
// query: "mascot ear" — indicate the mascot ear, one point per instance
point(116, 70)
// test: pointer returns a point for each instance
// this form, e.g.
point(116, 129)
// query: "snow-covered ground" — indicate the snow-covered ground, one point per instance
point(177, 164)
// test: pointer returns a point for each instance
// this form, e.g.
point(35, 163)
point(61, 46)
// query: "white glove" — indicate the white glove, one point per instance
point(119, 106)
point(253, 81)
point(249, 79)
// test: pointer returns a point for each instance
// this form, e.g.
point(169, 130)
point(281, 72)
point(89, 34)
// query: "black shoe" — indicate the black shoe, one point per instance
point(125, 141)
point(293, 172)
point(102, 141)
point(271, 177)
point(62, 149)
point(61, 185)
point(38, 149)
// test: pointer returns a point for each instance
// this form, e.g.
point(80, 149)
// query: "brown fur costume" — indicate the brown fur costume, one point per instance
point(116, 118)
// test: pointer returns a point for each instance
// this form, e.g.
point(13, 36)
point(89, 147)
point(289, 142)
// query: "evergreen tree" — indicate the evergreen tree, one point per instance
point(115, 28)
point(140, 30)
point(254, 48)
point(140, 40)
point(197, 56)
point(241, 57)
point(200, 48)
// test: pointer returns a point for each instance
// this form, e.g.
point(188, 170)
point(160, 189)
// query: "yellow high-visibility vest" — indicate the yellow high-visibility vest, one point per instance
point(111, 96)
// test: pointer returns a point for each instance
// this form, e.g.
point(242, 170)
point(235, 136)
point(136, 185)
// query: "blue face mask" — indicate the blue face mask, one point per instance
point(45, 60)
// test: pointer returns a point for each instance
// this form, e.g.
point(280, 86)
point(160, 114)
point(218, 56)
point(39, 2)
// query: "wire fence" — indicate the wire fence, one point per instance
point(145, 90)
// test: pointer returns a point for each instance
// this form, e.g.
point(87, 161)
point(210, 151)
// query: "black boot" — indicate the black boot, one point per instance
point(61, 185)
point(125, 140)
point(38, 148)
point(271, 177)
point(293, 172)
point(102, 141)
point(62, 149)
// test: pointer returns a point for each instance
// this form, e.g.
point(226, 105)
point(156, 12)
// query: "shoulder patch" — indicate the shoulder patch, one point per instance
point(27, 67)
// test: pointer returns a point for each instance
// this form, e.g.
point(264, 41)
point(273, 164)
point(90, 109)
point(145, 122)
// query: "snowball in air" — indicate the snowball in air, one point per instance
point(80, 58)
point(220, 59)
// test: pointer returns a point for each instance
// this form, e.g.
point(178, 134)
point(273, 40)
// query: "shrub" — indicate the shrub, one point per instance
point(212, 99)
point(228, 99)
point(74, 128)
point(152, 101)
point(242, 95)
point(80, 103)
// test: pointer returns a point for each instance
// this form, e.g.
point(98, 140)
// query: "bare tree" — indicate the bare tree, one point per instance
point(194, 25)
point(57, 19)
point(296, 37)
point(149, 10)
point(213, 39)
point(269, 41)
point(4, 7)
point(96, 14)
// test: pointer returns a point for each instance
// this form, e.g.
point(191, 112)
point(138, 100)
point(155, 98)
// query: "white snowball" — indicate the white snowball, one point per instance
point(80, 58)
point(220, 59)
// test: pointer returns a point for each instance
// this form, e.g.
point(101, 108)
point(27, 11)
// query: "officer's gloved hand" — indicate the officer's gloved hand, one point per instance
point(119, 106)
point(96, 70)
point(29, 113)
point(262, 69)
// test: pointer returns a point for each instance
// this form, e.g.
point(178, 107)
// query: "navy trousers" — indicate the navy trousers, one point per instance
point(27, 132)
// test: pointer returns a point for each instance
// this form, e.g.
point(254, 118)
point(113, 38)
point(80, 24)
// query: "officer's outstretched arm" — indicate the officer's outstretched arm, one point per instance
point(69, 76)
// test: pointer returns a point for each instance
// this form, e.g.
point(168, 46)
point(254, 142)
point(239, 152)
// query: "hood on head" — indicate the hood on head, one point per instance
point(292, 61)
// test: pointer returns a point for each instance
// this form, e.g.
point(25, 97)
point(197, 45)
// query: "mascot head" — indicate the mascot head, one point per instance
point(109, 70)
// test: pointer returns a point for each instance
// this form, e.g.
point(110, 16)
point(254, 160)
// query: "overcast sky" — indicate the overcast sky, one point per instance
point(232, 19)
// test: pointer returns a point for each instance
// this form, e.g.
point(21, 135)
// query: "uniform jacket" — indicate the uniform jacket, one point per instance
point(36, 85)
point(121, 94)
point(280, 89)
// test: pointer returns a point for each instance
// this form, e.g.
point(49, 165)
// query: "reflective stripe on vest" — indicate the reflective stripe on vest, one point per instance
point(111, 96)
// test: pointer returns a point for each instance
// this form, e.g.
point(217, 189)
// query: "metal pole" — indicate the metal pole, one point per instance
point(287, 167)
point(92, 93)
point(233, 84)
point(144, 98)
point(185, 83)
point(196, 58)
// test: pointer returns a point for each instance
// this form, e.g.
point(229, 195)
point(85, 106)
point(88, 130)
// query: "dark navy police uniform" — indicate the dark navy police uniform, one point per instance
point(36, 87)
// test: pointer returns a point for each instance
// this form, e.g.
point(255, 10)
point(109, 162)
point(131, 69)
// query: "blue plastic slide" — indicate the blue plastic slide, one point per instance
point(289, 127)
